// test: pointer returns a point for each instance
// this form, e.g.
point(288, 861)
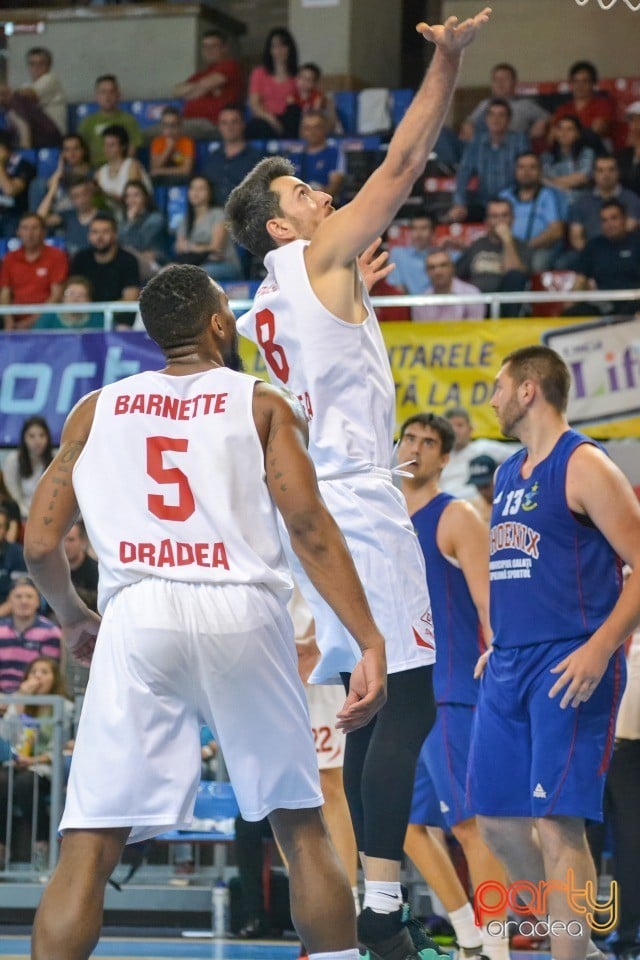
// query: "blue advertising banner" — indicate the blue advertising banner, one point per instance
point(45, 374)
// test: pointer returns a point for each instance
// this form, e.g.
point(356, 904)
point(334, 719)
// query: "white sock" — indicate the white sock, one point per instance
point(356, 899)
point(496, 948)
point(382, 896)
point(462, 921)
point(336, 955)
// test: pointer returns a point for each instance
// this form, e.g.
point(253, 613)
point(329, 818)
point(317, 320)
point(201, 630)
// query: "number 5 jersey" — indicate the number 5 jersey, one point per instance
point(171, 483)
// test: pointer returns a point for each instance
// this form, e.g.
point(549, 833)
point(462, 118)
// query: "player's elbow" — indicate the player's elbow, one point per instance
point(38, 545)
point(307, 532)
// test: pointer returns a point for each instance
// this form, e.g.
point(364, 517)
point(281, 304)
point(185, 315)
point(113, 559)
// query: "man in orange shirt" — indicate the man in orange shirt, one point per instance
point(34, 273)
point(172, 153)
point(207, 91)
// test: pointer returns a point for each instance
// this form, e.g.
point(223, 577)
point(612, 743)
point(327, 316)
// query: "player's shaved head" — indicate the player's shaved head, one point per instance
point(177, 304)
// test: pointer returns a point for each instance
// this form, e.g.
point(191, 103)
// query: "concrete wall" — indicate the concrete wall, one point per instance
point(542, 38)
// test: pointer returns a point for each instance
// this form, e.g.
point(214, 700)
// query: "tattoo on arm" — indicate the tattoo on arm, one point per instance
point(62, 464)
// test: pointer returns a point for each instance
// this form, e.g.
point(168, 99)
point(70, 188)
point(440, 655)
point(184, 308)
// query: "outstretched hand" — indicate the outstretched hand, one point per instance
point(374, 265)
point(452, 36)
point(367, 691)
point(81, 637)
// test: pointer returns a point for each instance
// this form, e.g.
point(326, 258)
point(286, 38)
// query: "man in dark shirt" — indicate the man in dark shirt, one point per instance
point(84, 569)
point(497, 261)
point(233, 158)
point(15, 176)
point(610, 261)
point(11, 562)
point(113, 272)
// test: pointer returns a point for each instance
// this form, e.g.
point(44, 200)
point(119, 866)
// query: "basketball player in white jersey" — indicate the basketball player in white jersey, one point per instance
point(318, 334)
point(178, 475)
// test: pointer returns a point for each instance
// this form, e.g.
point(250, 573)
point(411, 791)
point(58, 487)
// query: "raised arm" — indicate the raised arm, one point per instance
point(54, 509)
point(352, 228)
point(319, 545)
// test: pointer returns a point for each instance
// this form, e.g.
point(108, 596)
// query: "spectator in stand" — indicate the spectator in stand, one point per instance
point(273, 91)
point(24, 466)
point(29, 124)
point(142, 230)
point(311, 96)
point(629, 157)
point(481, 473)
point(10, 121)
point(584, 214)
point(410, 273)
point(8, 504)
point(206, 92)
point(319, 165)
point(172, 153)
point(498, 261)
point(12, 563)
point(91, 128)
point(202, 237)
point(443, 281)
point(112, 272)
point(73, 164)
point(227, 166)
point(34, 273)
point(25, 635)
point(72, 224)
point(539, 213)
point(490, 156)
point(76, 290)
point(526, 115)
point(568, 165)
point(15, 176)
point(84, 569)
point(45, 87)
point(455, 475)
point(609, 262)
point(114, 175)
point(596, 112)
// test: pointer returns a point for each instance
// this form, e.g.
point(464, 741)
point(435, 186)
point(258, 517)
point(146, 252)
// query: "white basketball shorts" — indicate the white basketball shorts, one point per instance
point(324, 702)
point(170, 657)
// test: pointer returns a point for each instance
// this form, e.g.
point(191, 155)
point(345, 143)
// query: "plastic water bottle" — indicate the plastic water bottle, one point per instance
point(220, 909)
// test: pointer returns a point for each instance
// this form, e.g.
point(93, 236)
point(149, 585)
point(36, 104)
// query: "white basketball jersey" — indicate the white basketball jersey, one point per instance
point(171, 484)
point(340, 371)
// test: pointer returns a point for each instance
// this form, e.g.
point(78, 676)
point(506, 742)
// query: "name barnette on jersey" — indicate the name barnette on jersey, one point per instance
point(171, 408)
point(174, 553)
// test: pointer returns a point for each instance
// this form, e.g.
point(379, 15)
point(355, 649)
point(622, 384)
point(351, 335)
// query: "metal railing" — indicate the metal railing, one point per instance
point(12, 730)
point(495, 300)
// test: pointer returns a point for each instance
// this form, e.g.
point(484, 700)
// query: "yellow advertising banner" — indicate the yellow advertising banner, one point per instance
point(441, 365)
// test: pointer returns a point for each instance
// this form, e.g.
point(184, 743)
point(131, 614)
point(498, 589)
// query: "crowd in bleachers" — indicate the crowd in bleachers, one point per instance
point(538, 189)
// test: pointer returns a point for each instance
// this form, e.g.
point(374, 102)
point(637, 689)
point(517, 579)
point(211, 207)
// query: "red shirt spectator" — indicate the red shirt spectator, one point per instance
point(34, 273)
point(594, 112)
point(218, 83)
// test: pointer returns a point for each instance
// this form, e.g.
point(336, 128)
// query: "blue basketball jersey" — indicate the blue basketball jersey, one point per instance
point(455, 618)
point(553, 576)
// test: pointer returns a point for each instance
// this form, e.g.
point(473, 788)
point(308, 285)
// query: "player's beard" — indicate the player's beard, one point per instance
point(231, 356)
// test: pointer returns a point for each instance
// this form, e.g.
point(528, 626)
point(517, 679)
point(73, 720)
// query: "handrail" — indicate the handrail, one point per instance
point(495, 300)
point(57, 719)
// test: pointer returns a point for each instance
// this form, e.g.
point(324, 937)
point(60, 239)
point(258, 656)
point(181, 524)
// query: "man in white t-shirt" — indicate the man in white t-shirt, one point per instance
point(454, 479)
point(45, 87)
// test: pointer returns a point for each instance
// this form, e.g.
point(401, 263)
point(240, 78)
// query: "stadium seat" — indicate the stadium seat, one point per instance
point(551, 280)
point(47, 161)
point(177, 205)
point(148, 112)
point(346, 105)
point(400, 100)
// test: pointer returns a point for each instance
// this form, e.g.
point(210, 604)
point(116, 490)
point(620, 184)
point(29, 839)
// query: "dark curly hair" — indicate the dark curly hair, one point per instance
point(176, 305)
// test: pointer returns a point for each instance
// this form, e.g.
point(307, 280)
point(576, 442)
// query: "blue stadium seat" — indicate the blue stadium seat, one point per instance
point(59, 242)
point(31, 156)
point(160, 198)
point(3, 246)
point(204, 149)
point(177, 205)
point(47, 161)
point(400, 100)
point(346, 104)
point(148, 112)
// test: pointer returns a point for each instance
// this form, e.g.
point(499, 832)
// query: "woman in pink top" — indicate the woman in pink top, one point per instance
point(273, 93)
